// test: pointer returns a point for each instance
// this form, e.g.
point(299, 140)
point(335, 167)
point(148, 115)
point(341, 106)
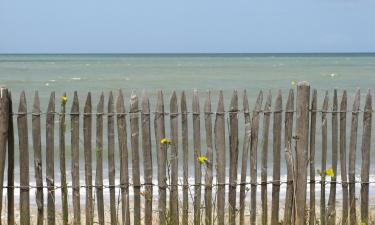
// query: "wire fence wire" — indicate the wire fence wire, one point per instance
point(185, 113)
point(126, 185)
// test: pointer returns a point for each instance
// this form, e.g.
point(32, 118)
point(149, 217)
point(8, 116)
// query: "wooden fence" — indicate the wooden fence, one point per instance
point(169, 200)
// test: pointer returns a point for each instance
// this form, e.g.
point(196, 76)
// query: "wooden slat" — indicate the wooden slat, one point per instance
point(111, 158)
point(220, 159)
point(173, 206)
point(302, 126)
point(37, 145)
point(365, 170)
point(209, 155)
point(245, 155)
point(50, 159)
point(4, 120)
point(289, 196)
point(99, 159)
point(10, 178)
point(87, 136)
point(233, 157)
point(134, 126)
point(197, 153)
point(123, 149)
point(185, 160)
point(277, 124)
point(24, 158)
point(314, 107)
point(331, 211)
point(64, 190)
point(264, 160)
point(161, 157)
point(75, 159)
point(147, 157)
point(344, 174)
point(352, 158)
point(324, 160)
point(253, 157)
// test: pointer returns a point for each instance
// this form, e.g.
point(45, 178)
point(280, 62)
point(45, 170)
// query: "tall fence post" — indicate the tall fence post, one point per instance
point(4, 121)
point(302, 125)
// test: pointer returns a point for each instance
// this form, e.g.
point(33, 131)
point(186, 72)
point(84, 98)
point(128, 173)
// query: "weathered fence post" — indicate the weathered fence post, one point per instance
point(147, 157)
point(210, 158)
point(174, 210)
point(185, 160)
point(352, 158)
point(324, 126)
point(4, 121)
point(197, 153)
point(233, 156)
point(36, 133)
point(314, 106)
point(277, 124)
point(134, 140)
point(302, 125)
point(50, 165)
point(253, 157)
point(24, 158)
point(64, 189)
point(123, 149)
point(344, 174)
point(111, 158)
point(75, 159)
point(331, 212)
point(264, 158)
point(10, 192)
point(365, 170)
point(161, 157)
point(99, 159)
point(87, 145)
point(245, 155)
point(289, 198)
point(219, 131)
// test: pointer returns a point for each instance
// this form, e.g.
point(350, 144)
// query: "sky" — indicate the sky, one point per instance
point(186, 26)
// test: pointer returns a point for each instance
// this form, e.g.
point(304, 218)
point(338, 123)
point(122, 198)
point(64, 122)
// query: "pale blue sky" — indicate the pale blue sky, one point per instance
point(185, 26)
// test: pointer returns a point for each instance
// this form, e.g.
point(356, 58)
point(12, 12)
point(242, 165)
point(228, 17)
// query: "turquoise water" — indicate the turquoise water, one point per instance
point(227, 72)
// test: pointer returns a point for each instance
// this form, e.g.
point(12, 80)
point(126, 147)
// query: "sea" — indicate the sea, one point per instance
point(136, 73)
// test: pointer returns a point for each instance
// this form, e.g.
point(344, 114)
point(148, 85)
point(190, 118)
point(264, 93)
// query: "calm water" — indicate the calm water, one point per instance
point(253, 72)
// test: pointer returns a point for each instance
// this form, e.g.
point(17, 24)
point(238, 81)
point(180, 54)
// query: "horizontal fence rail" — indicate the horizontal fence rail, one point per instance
point(187, 165)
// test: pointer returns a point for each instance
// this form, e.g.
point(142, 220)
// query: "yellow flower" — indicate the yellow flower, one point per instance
point(64, 99)
point(202, 159)
point(165, 141)
point(293, 82)
point(330, 172)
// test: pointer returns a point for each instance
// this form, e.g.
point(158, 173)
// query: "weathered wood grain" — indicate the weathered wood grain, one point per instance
point(219, 132)
point(50, 159)
point(87, 136)
point(264, 158)
point(37, 145)
point(147, 157)
point(302, 126)
point(365, 170)
point(245, 155)
point(288, 134)
point(233, 157)
point(344, 173)
point(24, 158)
point(277, 125)
point(352, 158)
point(173, 203)
point(253, 157)
point(185, 160)
point(74, 117)
point(210, 157)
